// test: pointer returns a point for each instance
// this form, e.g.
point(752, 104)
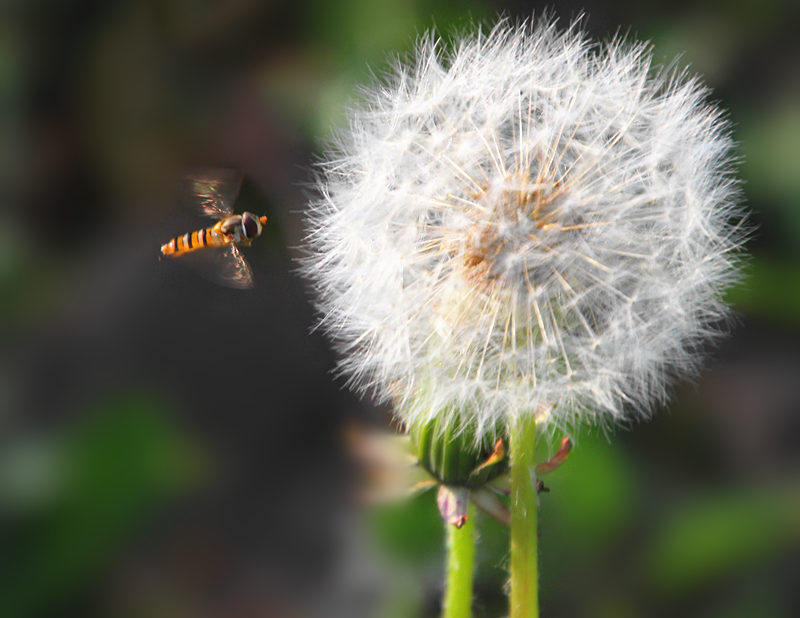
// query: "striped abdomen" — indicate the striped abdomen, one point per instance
point(199, 239)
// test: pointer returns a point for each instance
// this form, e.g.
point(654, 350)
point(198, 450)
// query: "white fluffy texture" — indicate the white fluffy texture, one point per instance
point(529, 225)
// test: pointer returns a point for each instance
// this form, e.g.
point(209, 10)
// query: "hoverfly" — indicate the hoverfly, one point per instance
point(214, 192)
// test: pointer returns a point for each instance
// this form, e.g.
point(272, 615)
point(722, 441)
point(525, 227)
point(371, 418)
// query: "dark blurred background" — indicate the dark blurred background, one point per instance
point(169, 447)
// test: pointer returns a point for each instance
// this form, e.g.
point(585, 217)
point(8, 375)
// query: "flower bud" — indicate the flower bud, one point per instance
point(452, 455)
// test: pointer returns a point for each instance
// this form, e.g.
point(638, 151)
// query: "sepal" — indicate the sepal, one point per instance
point(490, 504)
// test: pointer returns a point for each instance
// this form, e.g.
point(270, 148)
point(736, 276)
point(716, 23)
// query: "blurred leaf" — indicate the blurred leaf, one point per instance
point(771, 289)
point(361, 35)
point(30, 475)
point(410, 530)
point(752, 597)
point(14, 151)
point(411, 535)
point(708, 44)
point(769, 142)
point(723, 533)
point(364, 27)
point(110, 468)
point(406, 603)
point(15, 257)
point(712, 41)
point(591, 497)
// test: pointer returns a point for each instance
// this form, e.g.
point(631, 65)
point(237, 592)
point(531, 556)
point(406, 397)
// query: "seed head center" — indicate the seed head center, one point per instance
point(509, 227)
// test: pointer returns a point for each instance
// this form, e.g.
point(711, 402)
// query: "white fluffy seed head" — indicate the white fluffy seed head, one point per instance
point(530, 224)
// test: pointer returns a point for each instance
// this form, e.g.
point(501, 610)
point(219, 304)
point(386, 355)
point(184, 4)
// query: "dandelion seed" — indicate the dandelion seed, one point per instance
point(529, 226)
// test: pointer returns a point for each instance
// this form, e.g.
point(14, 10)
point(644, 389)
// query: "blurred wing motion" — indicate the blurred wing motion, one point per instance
point(213, 191)
point(232, 268)
point(224, 266)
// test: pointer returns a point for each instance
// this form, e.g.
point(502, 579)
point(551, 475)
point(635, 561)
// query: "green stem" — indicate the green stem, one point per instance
point(524, 601)
point(460, 566)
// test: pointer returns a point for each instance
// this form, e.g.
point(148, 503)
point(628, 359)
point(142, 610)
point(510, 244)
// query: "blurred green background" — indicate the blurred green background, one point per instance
point(172, 448)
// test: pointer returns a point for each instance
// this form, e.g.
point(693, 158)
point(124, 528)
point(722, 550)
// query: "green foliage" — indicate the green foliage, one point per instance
point(95, 484)
point(721, 534)
point(410, 530)
point(771, 290)
point(359, 37)
point(769, 141)
point(592, 495)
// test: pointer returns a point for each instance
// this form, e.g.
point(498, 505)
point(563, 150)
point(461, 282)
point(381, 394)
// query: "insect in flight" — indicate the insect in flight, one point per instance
point(214, 192)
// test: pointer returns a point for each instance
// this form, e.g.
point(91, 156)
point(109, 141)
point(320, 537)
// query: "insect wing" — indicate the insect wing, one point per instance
point(213, 191)
point(232, 268)
point(224, 265)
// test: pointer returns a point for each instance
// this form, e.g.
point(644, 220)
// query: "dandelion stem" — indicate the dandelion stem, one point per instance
point(524, 602)
point(460, 566)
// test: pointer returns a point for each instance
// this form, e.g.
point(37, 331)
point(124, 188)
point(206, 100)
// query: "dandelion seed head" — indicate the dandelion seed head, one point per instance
point(530, 224)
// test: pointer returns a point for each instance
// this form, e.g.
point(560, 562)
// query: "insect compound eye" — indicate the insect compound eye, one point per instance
point(250, 225)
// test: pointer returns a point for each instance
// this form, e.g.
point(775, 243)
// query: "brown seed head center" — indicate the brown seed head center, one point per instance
point(505, 224)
